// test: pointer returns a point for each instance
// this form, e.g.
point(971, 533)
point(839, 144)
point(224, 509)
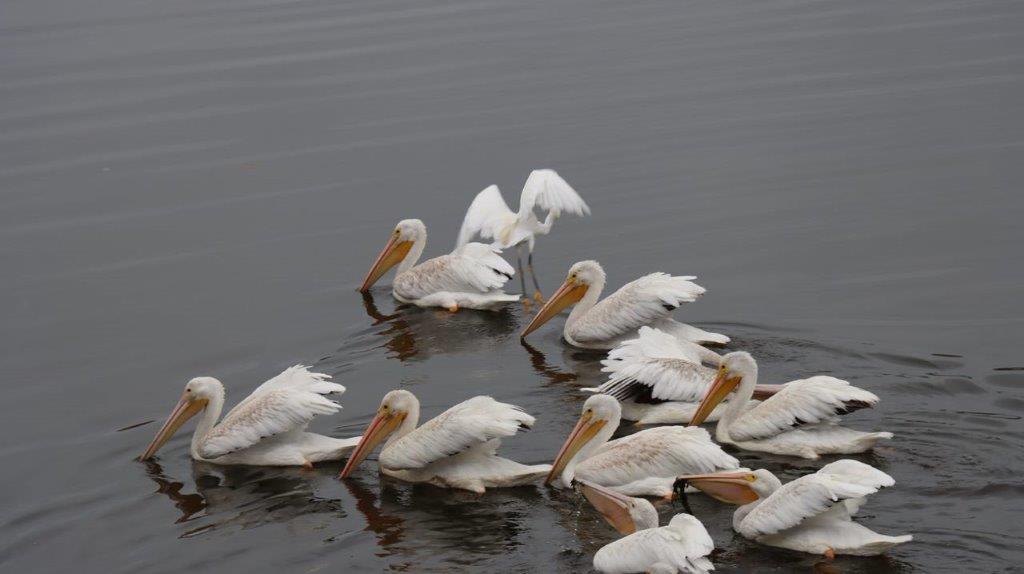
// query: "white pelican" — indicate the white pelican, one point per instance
point(648, 300)
point(490, 217)
point(456, 449)
point(645, 463)
point(471, 276)
point(681, 546)
point(800, 420)
point(810, 514)
point(267, 428)
point(660, 379)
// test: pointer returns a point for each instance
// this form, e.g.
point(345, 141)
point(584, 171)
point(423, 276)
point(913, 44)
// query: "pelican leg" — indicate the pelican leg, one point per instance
point(522, 276)
point(536, 293)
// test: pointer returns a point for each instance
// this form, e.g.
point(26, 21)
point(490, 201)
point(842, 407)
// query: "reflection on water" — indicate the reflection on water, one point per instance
point(239, 496)
point(408, 518)
point(414, 334)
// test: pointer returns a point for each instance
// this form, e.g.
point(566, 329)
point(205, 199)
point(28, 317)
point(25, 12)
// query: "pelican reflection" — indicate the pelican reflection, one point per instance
point(240, 496)
point(414, 334)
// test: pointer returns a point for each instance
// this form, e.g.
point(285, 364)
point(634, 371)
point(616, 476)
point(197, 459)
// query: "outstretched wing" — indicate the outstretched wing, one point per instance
point(469, 424)
point(487, 216)
point(684, 545)
point(659, 367)
point(808, 496)
point(472, 268)
point(807, 401)
point(638, 303)
point(548, 191)
point(285, 403)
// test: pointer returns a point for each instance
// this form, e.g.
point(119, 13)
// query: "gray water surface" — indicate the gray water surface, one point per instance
point(197, 187)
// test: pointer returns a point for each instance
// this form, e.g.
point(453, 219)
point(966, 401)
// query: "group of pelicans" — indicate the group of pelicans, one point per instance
point(660, 372)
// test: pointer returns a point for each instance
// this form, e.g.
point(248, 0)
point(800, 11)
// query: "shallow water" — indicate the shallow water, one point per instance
point(198, 187)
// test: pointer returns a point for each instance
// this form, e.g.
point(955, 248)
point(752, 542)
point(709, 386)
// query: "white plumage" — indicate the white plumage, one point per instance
point(681, 546)
point(472, 276)
point(647, 301)
point(818, 399)
point(266, 428)
point(801, 419)
point(671, 368)
point(492, 219)
point(814, 513)
point(643, 463)
point(658, 378)
point(456, 449)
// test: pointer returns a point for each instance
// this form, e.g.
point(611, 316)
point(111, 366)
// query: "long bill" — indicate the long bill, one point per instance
point(613, 506)
point(380, 427)
point(186, 408)
point(569, 293)
point(393, 253)
point(765, 392)
point(729, 487)
point(720, 388)
point(582, 433)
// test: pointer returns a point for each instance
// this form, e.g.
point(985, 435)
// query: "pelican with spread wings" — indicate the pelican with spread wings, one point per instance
point(660, 379)
point(456, 449)
point(491, 218)
point(267, 428)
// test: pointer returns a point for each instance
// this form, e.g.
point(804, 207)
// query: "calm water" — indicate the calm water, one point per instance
point(197, 187)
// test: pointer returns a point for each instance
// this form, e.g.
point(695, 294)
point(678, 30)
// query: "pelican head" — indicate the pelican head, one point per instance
point(625, 513)
point(600, 418)
point(735, 487)
point(734, 368)
point(581, 277)
point(406, 233)
point(394, 409)
point(197, 394)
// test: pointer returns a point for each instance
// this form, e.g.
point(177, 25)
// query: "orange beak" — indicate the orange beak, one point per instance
point(568, 294)
point(720, 388)
point(186, 408)
point(765, 392)
point(393, 253)
point(380, 427)
point(730, 487)
point(581, 434)
point(613, 506)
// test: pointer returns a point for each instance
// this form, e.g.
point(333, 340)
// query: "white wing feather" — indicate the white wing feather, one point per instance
point(469, 424)
point(683, 544)
point(670, 367)
point(487, 216)
point(472, 268)
point(548, 191)
point(658, 452)
point(807, 401)
point(638, 303)
point(285, 403)
point(812, 495)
